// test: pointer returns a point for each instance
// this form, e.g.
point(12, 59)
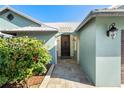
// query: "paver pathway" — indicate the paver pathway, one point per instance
point(67, 74)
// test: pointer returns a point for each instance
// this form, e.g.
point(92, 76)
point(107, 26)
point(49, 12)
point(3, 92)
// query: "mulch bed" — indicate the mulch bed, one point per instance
point(32, 82)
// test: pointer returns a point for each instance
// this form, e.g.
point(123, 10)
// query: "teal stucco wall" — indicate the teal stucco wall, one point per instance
point(100, 56)
point(108, 52)
point(87, 50)
point(18, 21)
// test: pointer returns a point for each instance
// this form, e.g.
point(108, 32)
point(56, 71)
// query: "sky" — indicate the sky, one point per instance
point(57, 13)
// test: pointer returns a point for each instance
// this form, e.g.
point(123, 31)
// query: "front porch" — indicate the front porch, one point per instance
point(67, 74)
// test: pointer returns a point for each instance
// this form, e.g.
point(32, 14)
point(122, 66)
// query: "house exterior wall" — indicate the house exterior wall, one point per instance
point(48, 38)
point(100, 56)
point(87, 52)
point(18, 21)
point(108, 52)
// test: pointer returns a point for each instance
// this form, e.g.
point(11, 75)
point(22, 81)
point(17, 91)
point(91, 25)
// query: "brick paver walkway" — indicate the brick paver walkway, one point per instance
point(67, 74)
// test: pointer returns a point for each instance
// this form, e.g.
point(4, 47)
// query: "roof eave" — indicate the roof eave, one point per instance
point(28, 31)
point(94, 14)
point(89, 17)
point(24, 15)
point(20, 13)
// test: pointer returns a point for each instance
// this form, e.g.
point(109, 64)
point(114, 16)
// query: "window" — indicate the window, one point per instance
point(10, 17)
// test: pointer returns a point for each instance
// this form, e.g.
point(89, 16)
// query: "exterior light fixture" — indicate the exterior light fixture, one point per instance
point(112, 32)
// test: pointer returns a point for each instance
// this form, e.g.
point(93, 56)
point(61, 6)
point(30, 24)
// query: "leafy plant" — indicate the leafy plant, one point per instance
point(3, 80)
point(21, 58)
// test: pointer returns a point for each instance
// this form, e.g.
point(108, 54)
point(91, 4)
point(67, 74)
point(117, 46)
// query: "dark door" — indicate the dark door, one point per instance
point(65, 45)
point(122, 56)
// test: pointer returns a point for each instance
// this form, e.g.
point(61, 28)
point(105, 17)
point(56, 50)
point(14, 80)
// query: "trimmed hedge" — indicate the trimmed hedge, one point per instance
point(21, 58)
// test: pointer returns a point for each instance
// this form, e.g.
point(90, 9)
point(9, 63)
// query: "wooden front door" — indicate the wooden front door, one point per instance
point(65, 45)
point(122, 56)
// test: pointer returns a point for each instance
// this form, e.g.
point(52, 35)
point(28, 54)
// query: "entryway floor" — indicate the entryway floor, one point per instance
point(67, 74)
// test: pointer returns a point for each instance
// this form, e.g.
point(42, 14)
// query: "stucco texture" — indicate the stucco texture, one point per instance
point(87, 46)
point(108, 52)
point(100, 56)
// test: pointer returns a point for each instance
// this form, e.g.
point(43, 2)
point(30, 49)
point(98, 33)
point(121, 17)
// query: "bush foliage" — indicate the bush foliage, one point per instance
point(21, 58)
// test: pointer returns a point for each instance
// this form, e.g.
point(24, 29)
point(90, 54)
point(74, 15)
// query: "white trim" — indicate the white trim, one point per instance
point(30, 29)
point(59, 46)
point(89, 17)
point(108, 59)
point(5, 35)
point(96, 13)
point(71, 46)
point(56, 50)
point(114, 6)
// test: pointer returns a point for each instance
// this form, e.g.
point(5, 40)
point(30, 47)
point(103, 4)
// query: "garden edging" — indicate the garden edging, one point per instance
point(47, 77)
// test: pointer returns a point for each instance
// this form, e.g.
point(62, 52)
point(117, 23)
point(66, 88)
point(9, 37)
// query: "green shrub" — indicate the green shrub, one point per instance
point(21, 58)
